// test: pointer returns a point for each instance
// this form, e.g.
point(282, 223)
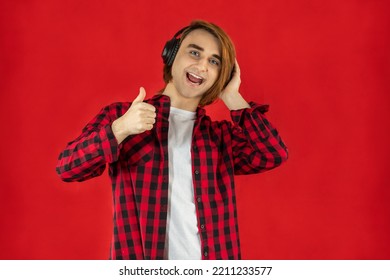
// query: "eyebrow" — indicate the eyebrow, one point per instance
point(202, 49)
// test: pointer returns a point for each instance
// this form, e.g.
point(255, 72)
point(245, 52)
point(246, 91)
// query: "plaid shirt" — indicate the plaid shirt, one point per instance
point(138, 168)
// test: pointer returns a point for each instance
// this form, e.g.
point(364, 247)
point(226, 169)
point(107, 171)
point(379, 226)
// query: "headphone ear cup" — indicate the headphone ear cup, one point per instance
point(170, 50)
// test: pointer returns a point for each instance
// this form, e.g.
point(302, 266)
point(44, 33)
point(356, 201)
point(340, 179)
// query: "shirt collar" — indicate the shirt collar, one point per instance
point(162, 103)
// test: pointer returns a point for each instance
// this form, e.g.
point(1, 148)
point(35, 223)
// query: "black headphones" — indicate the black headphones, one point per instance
point(171, 47)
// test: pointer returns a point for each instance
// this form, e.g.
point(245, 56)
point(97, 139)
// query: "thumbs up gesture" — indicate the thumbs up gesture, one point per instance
point(139, 118)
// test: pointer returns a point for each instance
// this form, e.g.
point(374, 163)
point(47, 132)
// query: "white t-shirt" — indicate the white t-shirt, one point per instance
point(183, 241)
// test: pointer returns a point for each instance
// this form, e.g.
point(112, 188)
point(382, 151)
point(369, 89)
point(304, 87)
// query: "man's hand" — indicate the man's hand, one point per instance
point(139, 118)
point(230, 95)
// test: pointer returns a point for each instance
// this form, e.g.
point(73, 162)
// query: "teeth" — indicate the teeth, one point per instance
point(195, 79)
point(196, 76)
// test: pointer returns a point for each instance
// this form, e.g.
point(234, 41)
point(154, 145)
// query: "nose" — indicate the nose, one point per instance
point(203, 64)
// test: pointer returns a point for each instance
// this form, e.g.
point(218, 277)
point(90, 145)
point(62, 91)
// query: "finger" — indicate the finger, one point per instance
point(150, 120)
point(141, 96)
point(237, 67)
point(147, 115)
point(147, 126)
point(147, 107)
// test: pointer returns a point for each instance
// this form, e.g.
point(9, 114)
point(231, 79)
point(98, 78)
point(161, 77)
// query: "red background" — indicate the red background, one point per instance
point(323, 66)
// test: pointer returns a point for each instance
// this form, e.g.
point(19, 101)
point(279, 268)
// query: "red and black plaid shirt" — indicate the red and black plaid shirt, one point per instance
point(138, 168)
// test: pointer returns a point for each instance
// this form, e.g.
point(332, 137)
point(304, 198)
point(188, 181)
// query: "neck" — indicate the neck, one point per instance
point(179, 101)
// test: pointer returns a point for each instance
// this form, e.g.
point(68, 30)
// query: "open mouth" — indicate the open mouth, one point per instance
point(194, 79)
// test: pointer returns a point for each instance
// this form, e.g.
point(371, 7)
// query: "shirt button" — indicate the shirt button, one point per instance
point(198, 199)
point(197, 172)
point(202, 226)
point(205, 254)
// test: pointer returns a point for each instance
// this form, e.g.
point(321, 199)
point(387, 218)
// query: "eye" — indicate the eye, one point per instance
point(195, 53)
point(214, 62)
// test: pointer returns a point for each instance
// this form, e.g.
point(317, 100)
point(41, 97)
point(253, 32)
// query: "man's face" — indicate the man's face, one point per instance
point(197, 65)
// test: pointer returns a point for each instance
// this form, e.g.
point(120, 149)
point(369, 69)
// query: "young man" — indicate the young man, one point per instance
point(172, 168)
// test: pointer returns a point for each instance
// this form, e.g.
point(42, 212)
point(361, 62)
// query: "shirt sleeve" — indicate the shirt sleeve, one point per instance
point(256, 144)
point(86, 156)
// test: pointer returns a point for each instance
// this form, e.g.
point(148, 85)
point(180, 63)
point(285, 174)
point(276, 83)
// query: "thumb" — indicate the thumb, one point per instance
point(141, 95)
